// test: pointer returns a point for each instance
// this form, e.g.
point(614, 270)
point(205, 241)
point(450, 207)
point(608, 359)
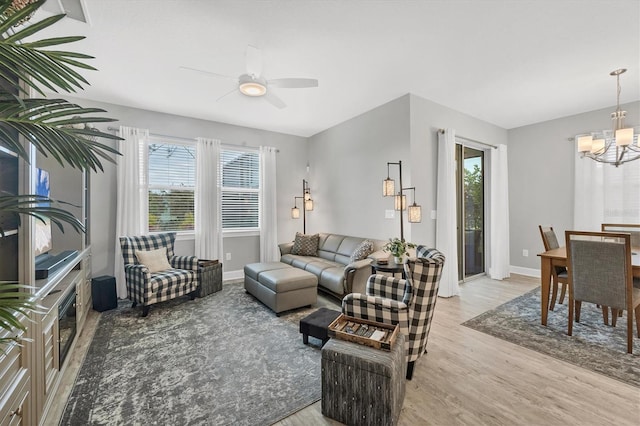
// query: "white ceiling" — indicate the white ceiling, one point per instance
point(509, 63)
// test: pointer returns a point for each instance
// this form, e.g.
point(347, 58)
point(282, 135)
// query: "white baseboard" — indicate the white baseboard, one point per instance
point(233, 275)
point(530, 272)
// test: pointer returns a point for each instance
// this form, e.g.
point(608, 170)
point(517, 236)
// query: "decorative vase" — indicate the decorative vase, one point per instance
point(398, 259)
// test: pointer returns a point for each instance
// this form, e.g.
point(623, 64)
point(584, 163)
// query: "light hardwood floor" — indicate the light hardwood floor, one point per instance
point(470, 378)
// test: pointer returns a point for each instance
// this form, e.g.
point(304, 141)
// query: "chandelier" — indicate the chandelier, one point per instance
point(616, 146)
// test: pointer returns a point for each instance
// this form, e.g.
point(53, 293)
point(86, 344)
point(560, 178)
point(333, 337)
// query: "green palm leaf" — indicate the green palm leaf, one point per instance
point(15, 301)
point(37, 67)
point(55, 127)
point(38, 207)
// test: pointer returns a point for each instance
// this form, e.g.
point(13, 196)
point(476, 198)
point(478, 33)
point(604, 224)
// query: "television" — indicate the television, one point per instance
point(43, 227)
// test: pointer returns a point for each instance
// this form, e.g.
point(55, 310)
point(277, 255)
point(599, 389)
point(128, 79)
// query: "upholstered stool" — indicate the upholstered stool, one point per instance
point(279, 286)
point(362, 385)
point(317, 324)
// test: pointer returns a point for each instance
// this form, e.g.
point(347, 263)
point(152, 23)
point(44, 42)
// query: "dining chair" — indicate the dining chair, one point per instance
point(632, 229)
point(558, 273)
point(600, 271)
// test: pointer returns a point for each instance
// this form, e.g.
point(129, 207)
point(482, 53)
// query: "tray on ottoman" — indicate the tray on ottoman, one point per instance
point(369, 333)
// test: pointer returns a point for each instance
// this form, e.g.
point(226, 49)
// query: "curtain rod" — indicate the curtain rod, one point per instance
point(472, 140)
point(158, 135)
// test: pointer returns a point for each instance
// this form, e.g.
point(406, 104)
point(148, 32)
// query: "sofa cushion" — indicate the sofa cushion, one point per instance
point(363, 250)
point(305, 245)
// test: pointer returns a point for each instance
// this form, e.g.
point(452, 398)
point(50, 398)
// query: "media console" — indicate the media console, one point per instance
point(50, 263)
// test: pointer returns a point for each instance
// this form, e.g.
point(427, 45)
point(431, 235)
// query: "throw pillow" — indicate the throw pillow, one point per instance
point(155, 260)
point(362, 251)
point(306, 245)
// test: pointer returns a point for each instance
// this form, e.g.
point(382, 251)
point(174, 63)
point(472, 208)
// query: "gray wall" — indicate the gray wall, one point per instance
point(541, 172)
point(349, 162)
point(347, 165)
point(291, 161)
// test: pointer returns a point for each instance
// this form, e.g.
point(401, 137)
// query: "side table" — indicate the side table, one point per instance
point(391, 266)
point(209, 277)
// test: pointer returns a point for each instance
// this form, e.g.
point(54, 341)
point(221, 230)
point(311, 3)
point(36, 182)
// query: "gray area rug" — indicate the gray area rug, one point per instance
point(593, 346)
point(220, 360)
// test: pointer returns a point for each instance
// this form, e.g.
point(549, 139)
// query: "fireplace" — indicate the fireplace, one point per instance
point(67, 324)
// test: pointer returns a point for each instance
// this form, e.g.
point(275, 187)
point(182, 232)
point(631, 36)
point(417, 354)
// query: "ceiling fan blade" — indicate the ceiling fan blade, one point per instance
point(254, 61)
point(227, 94)
point(293, 83)
point(274, 100)
point(209, 73)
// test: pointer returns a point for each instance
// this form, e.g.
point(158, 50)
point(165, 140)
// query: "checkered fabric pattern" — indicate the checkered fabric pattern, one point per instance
point(148, 288)
point(409, 303)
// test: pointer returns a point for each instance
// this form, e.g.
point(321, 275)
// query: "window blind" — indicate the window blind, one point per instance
point(171, 185)
point(240, 189)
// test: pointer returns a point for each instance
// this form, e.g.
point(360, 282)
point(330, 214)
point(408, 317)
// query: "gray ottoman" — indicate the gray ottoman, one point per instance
point(279, 286)
point(362, 385)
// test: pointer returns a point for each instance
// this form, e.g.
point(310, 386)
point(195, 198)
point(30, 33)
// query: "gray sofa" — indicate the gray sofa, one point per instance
point(337, 275)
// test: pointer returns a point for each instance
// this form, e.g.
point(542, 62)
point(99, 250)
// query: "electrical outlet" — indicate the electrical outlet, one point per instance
point(389, 214)
point(525, 253)
point(228, 257)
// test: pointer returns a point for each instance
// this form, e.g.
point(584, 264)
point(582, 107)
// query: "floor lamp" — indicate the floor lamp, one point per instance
point(400, 200)
point(307, 205)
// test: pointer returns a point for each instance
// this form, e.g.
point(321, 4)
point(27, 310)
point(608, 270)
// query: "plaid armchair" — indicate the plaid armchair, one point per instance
point(147, 288)
point(409, 303)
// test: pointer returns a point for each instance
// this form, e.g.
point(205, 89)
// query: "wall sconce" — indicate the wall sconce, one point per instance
point(307, 204)
point(414, 212)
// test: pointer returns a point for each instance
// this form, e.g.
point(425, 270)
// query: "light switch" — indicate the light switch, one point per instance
point(434, 214)
point(389, 214)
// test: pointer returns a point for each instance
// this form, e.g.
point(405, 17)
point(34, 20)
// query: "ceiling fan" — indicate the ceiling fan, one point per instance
point(253, 83)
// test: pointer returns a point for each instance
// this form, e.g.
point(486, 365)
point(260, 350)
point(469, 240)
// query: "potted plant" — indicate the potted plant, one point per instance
point(397, 248)
point(55, 127)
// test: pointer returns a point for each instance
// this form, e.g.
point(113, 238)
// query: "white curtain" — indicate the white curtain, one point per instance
point(208, 201)
point(269, 251)
point(604, 193)
point(499, 214)
point(446, 227)
point(131, 197)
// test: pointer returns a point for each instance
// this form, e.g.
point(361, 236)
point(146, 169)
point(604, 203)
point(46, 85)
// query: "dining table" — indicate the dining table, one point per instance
point(558, 257)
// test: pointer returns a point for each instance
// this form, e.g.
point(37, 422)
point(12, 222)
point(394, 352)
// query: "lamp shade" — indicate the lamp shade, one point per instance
point(415, 213)
point(598, 146)
point(624, 137)
point(388, 187)
point(307, 195)
point(308, 204)
point(398, 205)
point(584, 143)
point(295, 213)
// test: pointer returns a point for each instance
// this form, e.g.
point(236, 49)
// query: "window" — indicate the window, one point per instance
point(171, 186)
point(240, 189)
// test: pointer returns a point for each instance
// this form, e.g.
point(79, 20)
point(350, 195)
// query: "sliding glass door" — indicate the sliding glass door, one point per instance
point(470, 211)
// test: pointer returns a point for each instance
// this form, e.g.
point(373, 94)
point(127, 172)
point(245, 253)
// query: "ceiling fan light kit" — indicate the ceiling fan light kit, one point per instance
point(252, 86)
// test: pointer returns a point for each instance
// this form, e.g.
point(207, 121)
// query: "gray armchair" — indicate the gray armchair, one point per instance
point(600, 271)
